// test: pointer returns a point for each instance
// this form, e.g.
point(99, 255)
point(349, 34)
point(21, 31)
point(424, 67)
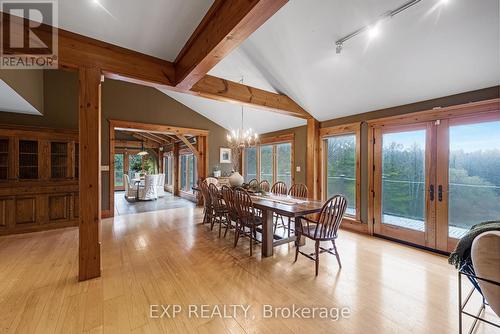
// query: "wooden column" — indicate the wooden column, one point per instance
point(312, 161)
point(90, 174)
point(175, 169)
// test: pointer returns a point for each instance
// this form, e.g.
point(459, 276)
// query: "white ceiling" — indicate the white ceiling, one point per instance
point(11, 101)
point(228, 115)
point(425, 52)
point(155, 27)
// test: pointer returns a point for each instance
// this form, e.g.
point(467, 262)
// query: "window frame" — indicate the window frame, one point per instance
point(341, 130)
point(188, 171)
point(273, 141)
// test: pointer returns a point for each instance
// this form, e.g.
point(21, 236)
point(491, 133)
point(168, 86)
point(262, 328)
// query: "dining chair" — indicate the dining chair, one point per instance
point(253, 184)
point(130, 189)
point(279, 188)
point(247, 217)
point(208, 211)
point(323, 229)
point(264, 186)
point(209, 180)
point(299, 190)
point(219, 207)
point(148, 192)
point(228, 197)
point(160, 186)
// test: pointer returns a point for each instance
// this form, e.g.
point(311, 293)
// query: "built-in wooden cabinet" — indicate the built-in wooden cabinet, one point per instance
point(38, 179)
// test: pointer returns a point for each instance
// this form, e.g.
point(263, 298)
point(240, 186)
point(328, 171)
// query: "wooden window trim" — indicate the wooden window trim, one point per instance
point(332, 131)
point(274, 140)
point(457, 114)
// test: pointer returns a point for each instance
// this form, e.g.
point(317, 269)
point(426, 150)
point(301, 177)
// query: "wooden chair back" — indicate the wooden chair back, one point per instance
point(253, 183)
point(205, 193)
point(215, 198)
point(211, 180)
point(265, 186)
point(228, 197)
point(279, 188)
point(299, 190)
point(243, 204)
point(330, 217)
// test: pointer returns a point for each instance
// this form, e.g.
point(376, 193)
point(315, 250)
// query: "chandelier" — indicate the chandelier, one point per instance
point(242, 138)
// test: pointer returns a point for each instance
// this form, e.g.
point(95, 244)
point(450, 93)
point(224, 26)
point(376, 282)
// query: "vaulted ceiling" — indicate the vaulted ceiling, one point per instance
point(435, 48)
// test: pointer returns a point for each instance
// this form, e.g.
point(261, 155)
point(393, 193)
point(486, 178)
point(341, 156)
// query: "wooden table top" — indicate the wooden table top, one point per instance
point(284, 205)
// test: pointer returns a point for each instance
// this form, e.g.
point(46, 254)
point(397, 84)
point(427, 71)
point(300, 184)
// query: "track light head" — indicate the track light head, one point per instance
point(338, 48)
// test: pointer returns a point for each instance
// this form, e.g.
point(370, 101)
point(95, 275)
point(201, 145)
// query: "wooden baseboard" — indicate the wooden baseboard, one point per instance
point(106, 214)
point(354, 226)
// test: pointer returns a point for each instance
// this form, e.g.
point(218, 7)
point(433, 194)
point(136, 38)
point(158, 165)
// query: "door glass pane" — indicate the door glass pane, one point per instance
point(474, 176)
point(118, 170)
point(266, 163)
point(192, 172)
point(183, 171)
point(250, 164)
point(403, 179)
point(284, 161)
point(341, 169)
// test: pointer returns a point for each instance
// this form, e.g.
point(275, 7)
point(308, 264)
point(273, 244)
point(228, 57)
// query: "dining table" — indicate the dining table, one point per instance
point(270, 204)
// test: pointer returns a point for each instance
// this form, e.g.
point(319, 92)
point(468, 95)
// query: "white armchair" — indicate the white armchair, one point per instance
point(130, 189)
point(149, 192)
point(160, 187)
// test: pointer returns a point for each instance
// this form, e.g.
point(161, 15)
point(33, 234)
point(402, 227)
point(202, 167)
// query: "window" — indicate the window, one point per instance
point(271, 162)
point(266, 163)
point(134, 165)
point(340, 170)
point(250, 163)
point(119, 169)
point(168, 169)
point(187, 171)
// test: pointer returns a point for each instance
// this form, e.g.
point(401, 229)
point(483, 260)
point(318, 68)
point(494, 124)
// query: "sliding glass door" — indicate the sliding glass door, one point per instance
point(432, 181)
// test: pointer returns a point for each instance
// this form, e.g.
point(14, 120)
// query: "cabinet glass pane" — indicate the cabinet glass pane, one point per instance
point(58, 160)
point(284, 163)
point(403, 179)
point(28, 159)
point(266, 163)
point(341, 169)
point(4, 159)
point(474, 176)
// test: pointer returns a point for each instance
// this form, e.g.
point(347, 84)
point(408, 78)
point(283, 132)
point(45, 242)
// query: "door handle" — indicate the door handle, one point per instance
point(431, 192)
point(440, 193)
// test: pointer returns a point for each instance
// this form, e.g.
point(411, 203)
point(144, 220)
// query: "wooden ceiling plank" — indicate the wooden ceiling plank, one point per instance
point(225, 26)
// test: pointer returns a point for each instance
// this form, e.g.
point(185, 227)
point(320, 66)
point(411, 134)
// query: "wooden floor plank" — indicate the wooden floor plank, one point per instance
point(167, 257)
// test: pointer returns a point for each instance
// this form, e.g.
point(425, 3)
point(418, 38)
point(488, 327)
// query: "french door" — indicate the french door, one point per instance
point(433, 180)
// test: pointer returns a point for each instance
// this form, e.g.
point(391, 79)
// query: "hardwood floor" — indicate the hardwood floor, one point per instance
point(167, 257)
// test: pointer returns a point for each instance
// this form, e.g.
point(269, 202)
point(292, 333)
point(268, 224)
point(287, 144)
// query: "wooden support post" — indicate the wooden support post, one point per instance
point(90, 174)
point(312, 161)
point(175, 169)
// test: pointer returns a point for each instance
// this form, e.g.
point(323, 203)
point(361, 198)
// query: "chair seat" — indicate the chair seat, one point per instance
point(255, 221)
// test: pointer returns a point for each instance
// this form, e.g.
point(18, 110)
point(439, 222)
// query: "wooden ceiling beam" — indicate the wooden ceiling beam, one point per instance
point(146, 140)
point(189, 145)
point(225, 26)
point(163, 140)
point(229, 91)
point(134, 144)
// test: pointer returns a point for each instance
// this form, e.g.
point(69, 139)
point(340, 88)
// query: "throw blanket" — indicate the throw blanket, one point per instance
point(462, 252)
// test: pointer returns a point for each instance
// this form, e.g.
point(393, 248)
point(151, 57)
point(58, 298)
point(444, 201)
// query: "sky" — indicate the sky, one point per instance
point(469, 138)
